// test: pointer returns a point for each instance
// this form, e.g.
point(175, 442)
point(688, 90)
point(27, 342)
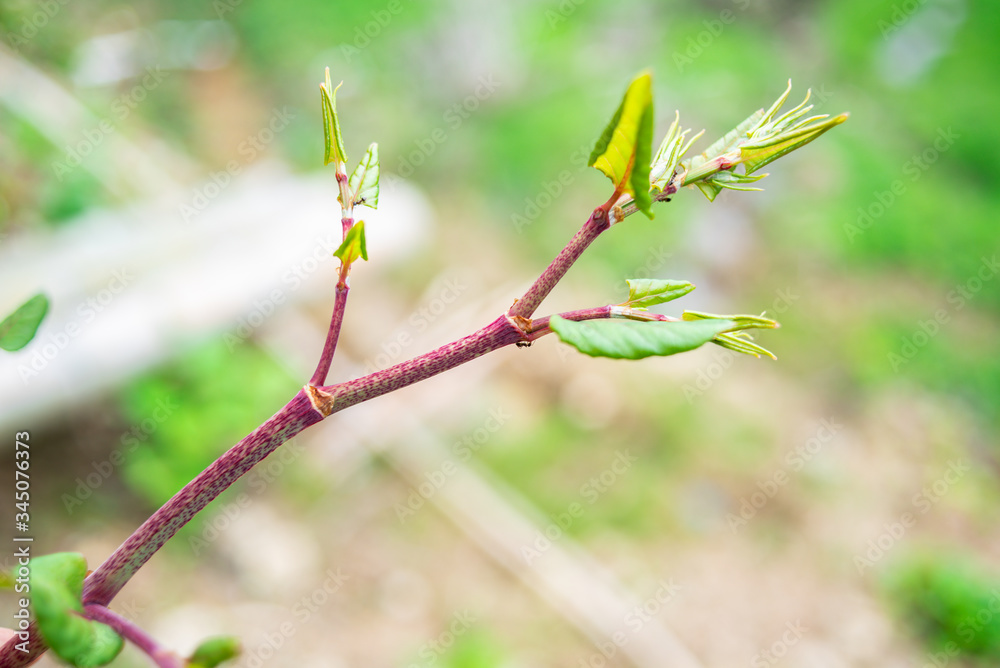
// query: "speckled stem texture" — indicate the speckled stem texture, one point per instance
point(332, 335)
point(301, 412)
point(501, 332)
point(102, 585)
point(532, 299)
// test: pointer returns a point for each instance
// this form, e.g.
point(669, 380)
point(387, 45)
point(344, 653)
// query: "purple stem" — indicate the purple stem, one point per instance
point(306, 409)
point(163, 657)
point(11, 657)
point(332, 335)
point(540, 326)
point(501, 332)
point(532, 299)
point(103, 584)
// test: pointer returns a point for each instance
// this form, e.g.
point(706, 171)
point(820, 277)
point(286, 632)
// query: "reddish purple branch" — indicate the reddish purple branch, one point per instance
point(532, 299)
point(11, 657)
point(499, 333)
point(310, 406)
point(163, 657)
point(540, 326)
point(103, 584)
point(332, 335)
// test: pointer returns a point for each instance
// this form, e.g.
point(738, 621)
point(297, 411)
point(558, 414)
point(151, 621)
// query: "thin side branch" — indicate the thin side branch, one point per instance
point(160, 655)
point(540, 326)
point(343, 286)
point(332, 334)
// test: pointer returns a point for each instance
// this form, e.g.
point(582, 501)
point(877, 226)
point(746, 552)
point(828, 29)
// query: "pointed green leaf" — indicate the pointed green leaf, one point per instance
point(639, 178)
point(210, 653)
point(669, 155)
point(632, 339)
point(785, 120)
point(731, 139)
point(769, 114)
point(56, 582)
point(645, 292)
point(757, 141)
point(354, 245)
point(17, 329)
point(663, 160)
point(715, 157)
point(709, 189)
point(742, 321)
point(755, 155)
point(741, 342)
point(364, 180)
point(713, 185)
point(624, 149)
point(334, 142)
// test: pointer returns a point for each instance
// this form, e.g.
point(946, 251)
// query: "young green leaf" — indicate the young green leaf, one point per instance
point(17, 329)
point(334, 142)
point(757, 141)
point(756, 154)
point(714, 184)
point(354, 245)
point(742, 321)
point(210, 653)
point(56, 582)
point(364, 180)
point(623, 151)
point(721, 155)
point(741, 342)
point(673, 148)
point(631, 339)
point(645, 292)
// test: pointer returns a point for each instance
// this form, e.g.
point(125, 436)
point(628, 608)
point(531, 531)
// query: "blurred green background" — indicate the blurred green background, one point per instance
point(851, 486)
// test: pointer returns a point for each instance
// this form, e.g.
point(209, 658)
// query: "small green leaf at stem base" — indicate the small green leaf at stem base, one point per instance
point(633, 340)
point(210, 653)
point(354, 245)
point(19, 328)
point(56, 582)
point(645, 292)
point(364, 180)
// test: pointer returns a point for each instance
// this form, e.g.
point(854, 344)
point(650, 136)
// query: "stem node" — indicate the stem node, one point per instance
point(321, 400)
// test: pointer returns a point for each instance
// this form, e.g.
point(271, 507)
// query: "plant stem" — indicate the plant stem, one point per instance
point(540, 326)
point(103, 584)
point(662, 196)
point(11, 657)
point(308, 408)
point(332, 335)
point(163, 657)
point(526, 305)
point(343, 287)
point(499, 333)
